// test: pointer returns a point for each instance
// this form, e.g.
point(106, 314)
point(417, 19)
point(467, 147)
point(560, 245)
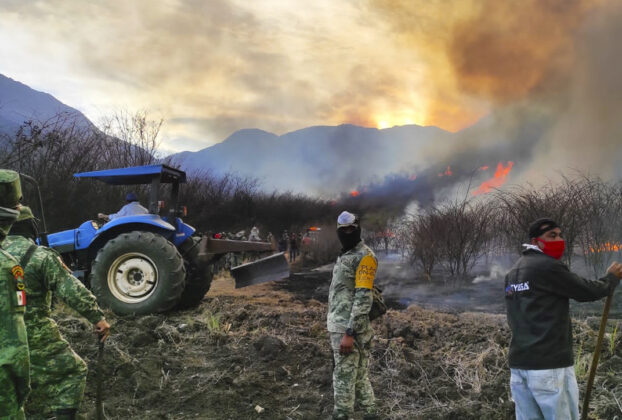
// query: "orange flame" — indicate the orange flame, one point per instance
point(412, 177)
point(354, 193)
point(447, 172)
point(498, 180)
point(607, 247)
point(483, 168)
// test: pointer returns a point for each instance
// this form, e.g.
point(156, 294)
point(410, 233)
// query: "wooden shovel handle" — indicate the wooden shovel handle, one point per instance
point(599, 343)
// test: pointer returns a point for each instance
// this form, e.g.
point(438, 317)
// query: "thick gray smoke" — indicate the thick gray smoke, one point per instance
point(572, 123)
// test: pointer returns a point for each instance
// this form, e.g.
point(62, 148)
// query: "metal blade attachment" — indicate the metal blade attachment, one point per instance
point(274, 267)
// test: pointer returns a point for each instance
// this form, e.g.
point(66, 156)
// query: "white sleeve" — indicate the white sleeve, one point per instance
point(120, 213)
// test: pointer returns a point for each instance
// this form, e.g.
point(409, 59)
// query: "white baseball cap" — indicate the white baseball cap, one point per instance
point(347, 219)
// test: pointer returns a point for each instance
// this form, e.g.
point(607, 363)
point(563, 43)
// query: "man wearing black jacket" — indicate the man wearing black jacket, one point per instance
point(537, 293)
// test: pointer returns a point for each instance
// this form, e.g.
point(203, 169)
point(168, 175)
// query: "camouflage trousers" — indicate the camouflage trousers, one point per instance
point(14, 372)
point(57, 373)
point(11, 403)
point(351, 377)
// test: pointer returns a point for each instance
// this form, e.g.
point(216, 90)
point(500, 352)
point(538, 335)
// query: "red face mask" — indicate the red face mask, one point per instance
point(553, 249)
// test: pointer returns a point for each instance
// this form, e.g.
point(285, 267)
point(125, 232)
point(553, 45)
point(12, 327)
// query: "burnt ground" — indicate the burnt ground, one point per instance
point(262, 353)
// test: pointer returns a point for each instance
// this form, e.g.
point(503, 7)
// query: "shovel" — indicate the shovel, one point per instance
point(99, 402)
point(274, 267)
point(599, 343)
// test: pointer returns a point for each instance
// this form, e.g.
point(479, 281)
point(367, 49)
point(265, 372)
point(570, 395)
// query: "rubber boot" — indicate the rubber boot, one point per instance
point(66, 414)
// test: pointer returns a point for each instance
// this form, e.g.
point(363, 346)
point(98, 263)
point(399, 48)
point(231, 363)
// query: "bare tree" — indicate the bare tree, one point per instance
point(130, 139)
point(423, 241)
point(599, 236)
point(465, 229)
point(520, 205)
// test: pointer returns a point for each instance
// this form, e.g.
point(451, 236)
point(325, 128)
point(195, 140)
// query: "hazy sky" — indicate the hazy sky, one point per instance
point(215, 66)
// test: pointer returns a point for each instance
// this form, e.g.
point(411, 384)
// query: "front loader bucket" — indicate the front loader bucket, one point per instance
point(274, 267)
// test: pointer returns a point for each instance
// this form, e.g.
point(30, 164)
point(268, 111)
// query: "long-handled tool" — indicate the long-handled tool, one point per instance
point(599, 343)
point(99, 402)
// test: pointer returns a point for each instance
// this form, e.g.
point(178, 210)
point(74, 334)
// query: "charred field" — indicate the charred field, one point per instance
point(262, 353)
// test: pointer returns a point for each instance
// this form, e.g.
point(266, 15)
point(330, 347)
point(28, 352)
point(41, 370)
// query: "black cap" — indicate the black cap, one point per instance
point(541, 226)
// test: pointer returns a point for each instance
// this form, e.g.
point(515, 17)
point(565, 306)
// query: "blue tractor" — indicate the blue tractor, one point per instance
point(154, 262)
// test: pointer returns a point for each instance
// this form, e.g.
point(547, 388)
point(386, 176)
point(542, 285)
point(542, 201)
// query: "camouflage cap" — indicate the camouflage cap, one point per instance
point(10, 188)
point(25, 213)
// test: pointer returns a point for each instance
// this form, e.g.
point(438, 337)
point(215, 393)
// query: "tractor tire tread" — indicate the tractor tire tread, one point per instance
point(168, 255)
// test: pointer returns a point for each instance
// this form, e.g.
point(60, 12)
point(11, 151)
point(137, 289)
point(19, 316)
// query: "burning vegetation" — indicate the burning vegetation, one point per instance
point(497, 181)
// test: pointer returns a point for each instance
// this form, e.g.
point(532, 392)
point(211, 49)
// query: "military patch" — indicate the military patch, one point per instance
point(18, 272)
point(365, 273)
point(21, 298)
point(60, 260)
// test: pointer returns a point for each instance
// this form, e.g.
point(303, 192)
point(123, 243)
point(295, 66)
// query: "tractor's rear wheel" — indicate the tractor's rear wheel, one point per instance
point(138, 273)
point(198, 275)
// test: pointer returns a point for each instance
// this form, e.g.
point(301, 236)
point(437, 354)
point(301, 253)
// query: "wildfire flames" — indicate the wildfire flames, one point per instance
point(607, 247)
point(498, 180)
point(447, 172)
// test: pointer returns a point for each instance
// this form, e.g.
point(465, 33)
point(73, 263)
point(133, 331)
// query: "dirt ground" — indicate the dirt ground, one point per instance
point(262, 353)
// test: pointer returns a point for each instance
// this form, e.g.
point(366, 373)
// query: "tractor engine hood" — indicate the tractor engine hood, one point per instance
point(83, 236)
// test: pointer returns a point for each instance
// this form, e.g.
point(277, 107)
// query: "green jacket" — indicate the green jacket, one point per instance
point(46, 274)
point(350, 297)
point(13, 342)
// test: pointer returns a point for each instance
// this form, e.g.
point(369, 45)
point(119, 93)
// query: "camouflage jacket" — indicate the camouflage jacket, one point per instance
point(46, 274)
point(350, 297)
point(13, 341)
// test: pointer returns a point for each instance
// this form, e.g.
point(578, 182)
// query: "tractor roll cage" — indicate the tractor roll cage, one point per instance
point(142, 175)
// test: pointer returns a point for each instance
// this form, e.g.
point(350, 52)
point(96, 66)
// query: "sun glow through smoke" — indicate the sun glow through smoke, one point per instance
point(406, 118)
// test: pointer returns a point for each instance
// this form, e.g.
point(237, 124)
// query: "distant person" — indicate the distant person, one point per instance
point(537, 293)
point(306, 239)
point(254, 236)
point(349, 302)
point(283, 242)
point(132, 208)
point(305, 245)
point(14, 360)
point(293, 247)
point(57, 373)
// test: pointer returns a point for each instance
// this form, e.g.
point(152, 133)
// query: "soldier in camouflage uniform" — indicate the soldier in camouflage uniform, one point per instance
point(14, 364)
point(58, 374)
point(349, 302)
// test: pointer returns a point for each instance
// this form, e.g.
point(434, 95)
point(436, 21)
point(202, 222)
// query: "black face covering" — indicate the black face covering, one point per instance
point(349, 240)
point(7, 218)
point(26, 228)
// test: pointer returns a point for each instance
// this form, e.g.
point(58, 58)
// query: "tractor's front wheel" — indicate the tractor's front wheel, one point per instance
point(138, 273)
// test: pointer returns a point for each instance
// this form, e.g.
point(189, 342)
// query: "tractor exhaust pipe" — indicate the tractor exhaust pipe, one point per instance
point(43, 236)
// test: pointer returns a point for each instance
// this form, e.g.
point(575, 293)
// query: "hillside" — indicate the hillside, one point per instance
point(323, 159)
point(19, 103)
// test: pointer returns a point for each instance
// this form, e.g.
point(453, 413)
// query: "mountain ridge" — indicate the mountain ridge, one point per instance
point(20, 103)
